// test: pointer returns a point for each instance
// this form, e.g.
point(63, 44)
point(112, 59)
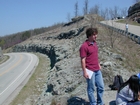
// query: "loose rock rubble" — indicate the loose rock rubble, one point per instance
point(65, 78)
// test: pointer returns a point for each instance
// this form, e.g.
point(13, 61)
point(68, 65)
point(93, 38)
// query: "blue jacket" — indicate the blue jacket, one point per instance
point(138, 75)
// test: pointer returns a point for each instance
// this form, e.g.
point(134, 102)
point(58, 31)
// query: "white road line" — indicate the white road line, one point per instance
point(18, 76)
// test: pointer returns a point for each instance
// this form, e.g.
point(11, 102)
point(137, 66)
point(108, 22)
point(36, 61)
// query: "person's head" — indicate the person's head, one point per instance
point(91, 34)
point(134, 82)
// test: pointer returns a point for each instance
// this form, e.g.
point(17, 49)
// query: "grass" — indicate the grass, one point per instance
point(125, 47)
point(32, 90)
point(4, 59)
point(128, 21)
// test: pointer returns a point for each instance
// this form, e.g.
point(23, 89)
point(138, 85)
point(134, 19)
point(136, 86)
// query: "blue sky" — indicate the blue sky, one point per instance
point(21, 15)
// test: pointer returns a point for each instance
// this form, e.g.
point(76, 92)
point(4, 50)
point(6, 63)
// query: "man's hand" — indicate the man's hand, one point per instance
point(83, 63)
point(139, 96)
point(100, 66)
point(85, 75)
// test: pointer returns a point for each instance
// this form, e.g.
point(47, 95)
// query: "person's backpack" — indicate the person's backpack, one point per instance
point(138, 75)
point(76, 101)
point(118, 81)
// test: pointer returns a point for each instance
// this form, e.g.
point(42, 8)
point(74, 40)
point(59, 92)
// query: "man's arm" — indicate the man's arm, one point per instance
point(100, 66)
point(139, 96)
point(83, 64)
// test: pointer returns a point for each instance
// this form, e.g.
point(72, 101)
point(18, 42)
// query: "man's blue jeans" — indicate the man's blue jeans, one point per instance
point(96, 80)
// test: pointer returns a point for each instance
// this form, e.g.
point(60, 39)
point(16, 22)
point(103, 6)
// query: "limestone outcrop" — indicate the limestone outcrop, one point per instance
point(61, 45)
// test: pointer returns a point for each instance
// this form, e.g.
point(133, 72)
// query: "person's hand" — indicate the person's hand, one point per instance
point(139, 96)
point(100, 67)
point(85, 75)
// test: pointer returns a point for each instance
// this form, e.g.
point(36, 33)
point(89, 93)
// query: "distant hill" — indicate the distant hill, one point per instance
point(10, 40)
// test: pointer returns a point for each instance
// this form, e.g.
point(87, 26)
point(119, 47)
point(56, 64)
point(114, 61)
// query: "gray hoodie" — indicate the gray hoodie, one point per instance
point(125, 96)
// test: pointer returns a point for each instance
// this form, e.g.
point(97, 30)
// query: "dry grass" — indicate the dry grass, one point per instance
point(4, 59)
point(128, 21)
point(124, 46)
point(32, 90)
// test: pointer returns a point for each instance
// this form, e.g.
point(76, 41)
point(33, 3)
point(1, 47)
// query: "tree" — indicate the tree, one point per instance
point(2, 42)
point(76, 9)
point(114, 13)
point(124, 12)
point(111, 32)
point(85, 9)
point(94, 10)
point(105, 13)
point(68, 17)
point(25, 35)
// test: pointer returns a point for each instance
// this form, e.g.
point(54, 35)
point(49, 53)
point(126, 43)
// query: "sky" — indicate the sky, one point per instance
point(21, 15)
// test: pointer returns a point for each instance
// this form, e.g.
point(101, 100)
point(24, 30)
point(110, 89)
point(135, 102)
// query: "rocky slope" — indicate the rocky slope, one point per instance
point(65, 78)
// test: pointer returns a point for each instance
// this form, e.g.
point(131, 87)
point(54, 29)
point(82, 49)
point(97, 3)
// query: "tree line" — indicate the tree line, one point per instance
point(107, 13)
point(10, 40)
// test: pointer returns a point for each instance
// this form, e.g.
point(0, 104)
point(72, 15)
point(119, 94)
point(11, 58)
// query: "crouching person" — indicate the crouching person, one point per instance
point(129, 92)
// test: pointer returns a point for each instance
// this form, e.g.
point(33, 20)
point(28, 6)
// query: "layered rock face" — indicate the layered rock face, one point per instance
point(134, 12)
point(61, 45)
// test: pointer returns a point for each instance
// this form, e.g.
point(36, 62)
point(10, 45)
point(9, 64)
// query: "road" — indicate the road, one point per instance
point(131, 28)
point(14, 71)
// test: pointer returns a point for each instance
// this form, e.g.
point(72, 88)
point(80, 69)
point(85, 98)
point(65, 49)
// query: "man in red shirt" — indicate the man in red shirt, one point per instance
point(91, 67)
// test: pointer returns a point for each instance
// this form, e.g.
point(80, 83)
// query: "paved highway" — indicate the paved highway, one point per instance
point(131, 28)
point(14, 71)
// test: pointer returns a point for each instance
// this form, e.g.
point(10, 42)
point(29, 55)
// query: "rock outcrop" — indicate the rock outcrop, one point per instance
point(61, 45)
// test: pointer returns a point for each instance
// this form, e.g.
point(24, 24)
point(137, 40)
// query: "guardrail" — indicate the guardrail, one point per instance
point(130, 35)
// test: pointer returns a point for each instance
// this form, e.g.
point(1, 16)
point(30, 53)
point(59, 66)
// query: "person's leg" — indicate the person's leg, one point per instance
point(134, 103)
point(100, 87)
point(90, 90)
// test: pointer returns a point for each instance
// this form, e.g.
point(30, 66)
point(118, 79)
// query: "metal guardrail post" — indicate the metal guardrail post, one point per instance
point(138, 40)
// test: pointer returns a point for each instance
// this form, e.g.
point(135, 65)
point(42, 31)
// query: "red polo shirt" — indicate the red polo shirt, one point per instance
point(90, 51)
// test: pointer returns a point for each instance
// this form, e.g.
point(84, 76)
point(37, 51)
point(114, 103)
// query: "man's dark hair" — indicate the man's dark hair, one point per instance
point(91, 31)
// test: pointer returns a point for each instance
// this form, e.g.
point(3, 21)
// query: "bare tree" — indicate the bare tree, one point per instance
point(68, 17)
point(111, 31)
point(114, 13)
point(94, 18)
point(124, 12)
point(85, 9)
point(104, 13)
point(94, 10)
point(76, 9)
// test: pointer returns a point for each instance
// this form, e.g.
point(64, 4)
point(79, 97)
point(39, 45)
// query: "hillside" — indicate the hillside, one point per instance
point(61, 46)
